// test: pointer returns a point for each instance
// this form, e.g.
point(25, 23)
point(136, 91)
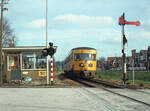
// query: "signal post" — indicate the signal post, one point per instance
point(123, 22)
point(50, 51)
point(52, 75)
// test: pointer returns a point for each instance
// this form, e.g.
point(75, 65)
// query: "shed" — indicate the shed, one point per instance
point(24, 63)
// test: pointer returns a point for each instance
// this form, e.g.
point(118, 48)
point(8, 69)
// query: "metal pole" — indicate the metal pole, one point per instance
point(52, 71)
point(47, 66)
point(133, 69)
point(1, 34)
point(148, 60)
point(148, 65)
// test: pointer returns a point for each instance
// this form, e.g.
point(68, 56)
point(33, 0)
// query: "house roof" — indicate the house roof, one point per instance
point(23, 48)
point(112, 58)
point(143, 51)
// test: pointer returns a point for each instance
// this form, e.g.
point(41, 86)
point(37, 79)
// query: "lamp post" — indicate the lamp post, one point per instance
point(47, 68)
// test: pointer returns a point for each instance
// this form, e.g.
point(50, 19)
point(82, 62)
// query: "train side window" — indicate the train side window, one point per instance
point(76, 57)
point(94, 57)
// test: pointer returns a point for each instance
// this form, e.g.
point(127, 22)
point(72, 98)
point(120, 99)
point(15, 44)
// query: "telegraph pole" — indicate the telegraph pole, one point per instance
point(1, 75)
point(1, 37)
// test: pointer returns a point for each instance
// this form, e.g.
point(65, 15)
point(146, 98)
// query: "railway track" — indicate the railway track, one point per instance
point(107, 84)
point(127, 97)
point(100, 84)
point(148, 93)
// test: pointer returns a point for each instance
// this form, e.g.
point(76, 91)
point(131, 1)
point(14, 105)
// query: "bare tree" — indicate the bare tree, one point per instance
point(9, 38)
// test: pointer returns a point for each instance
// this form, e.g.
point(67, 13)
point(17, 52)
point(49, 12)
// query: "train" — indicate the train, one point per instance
point(81, 62)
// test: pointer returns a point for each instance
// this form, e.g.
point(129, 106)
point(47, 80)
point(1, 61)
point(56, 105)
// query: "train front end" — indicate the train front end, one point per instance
point(84, 62)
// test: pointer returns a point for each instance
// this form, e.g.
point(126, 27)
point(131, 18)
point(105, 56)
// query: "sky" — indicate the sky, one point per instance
point(80, 23)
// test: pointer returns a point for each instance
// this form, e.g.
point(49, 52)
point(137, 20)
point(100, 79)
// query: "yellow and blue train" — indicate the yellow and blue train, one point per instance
point(81, 62)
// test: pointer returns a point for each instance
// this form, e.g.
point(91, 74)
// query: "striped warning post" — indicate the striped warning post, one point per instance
point(52, 71)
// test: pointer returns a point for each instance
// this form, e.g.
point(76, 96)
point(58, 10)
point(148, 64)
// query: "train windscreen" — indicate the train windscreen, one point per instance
point(84, 56)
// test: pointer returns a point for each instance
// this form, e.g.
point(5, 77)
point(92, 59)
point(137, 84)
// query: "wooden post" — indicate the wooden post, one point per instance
point(124, 53)
point(1, 37)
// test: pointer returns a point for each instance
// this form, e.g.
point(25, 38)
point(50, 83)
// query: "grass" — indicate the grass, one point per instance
point(140, 76)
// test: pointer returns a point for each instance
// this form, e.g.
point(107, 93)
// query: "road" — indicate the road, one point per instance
point(69, 99)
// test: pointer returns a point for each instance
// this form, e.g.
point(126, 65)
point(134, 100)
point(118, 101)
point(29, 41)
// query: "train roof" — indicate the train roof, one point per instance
point(86, 48)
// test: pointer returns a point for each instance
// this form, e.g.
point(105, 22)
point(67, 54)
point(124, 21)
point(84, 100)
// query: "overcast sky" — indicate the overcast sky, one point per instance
point(77, 23)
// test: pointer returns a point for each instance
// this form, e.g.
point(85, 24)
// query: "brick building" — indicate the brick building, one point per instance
point(114, 62)
point(148, 58)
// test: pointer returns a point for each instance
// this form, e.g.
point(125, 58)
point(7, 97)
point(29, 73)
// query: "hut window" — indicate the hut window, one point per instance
point(13, 62)
point(28, 61)
point(40, 61)
point(32, 60)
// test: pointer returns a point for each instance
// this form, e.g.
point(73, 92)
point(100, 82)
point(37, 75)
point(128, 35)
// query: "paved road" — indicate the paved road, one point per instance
point(67, 99)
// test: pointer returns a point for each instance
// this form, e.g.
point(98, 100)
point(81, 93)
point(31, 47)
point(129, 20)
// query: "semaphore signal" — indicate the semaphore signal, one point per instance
point(123, 22)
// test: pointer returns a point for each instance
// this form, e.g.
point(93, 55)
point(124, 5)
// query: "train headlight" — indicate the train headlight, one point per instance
point(81, 65)
point(90, 65)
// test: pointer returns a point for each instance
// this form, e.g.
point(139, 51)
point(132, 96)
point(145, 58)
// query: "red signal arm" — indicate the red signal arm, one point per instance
point(137, 23)
point(122, 21)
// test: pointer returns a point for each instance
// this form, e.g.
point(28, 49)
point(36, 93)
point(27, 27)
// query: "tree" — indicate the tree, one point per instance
point(9, 38)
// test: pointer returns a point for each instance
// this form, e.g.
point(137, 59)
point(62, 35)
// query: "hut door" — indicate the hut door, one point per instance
point(14, 67)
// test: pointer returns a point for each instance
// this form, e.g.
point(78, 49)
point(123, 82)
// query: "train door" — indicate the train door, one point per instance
point(14, 67)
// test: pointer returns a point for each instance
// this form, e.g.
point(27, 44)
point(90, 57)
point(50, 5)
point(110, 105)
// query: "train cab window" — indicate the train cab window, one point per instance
point(84, 56)
point(76, 57)
point(93, 57)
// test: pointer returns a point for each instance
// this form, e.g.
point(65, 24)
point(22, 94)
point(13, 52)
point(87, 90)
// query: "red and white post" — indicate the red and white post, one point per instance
point(52, 77)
